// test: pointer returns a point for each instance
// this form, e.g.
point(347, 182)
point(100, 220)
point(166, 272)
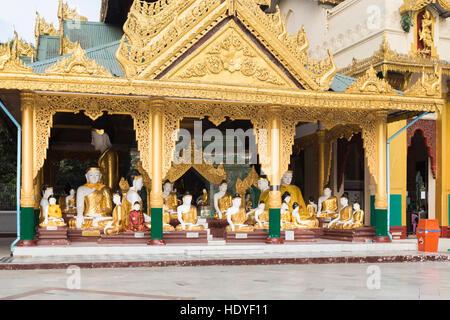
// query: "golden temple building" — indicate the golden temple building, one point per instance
point(151, 69)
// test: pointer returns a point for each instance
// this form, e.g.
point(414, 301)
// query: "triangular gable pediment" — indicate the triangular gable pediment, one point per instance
point(230, 57)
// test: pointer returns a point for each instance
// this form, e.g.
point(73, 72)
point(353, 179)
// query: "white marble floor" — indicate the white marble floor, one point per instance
point(427, 280)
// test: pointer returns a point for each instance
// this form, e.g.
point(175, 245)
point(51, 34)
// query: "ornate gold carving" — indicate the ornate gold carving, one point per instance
point(243, 185)
point(44, 28)
point(429, 85)
point(230, 58)
point(371, 84)
point(78, 64)
point(68, 46)
point(416, 5)
point(9, 58)
point(67, 13)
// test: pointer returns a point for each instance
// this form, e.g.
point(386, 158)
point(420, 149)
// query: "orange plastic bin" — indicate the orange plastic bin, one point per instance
point(428, 233)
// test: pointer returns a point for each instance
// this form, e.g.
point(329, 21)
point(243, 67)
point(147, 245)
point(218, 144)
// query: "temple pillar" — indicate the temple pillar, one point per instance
point(381, 203)
point(27, 214)
point(442, 169)
point(321, 161)
point(275, 176)
point(156, 197)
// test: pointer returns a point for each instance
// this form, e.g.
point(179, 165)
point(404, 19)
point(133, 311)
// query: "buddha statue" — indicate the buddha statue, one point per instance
point(285, 213)
point(54, 215)
point(203, 200)
point(328, 206)
point(311, 208)
point(236, 216)
point(47, 191)
point(296, 194)
point(263, 186)
point(222, 200)
point(116, 226)
point(345, 215)
point(170, 200)
point(70, 201)
point(94, 203)
point(109, 159)
point(357, 220)
point(249, 209)
point(136, 182)
point(307, 220)
point(261, 216)
point(187, 215)
point(136, 220)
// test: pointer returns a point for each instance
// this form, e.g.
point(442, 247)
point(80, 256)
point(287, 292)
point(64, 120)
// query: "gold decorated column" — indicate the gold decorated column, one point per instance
point(156, 197)
point(27, 216)
point(321, 160)
point(275, 175)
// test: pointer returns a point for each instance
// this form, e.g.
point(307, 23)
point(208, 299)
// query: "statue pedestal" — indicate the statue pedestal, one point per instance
point(217, 227)
point(67, 216)
point(257, 236)
point(299, 235)
point(88, 235)
point(52, 236)
point(125, 238)
point(364, 234)
point(173, 237)
point(324, 221)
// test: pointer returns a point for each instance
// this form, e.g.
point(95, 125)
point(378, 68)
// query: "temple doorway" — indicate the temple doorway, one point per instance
point(417, 181)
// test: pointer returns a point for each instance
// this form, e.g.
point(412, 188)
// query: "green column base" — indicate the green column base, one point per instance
point(381, 231)
point(274, 225)
point(27, 226)
point(157, 227)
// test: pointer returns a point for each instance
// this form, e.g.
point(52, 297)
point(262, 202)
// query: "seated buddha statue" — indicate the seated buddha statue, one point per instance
point(345, 215)
point(296, 193)
point(47, 191)
point(328, 206)
point(94, 203)
point(285, 213)
point(357, 220)
point(70, 202)
point(236, 216)
point(170, 200)
point(263, 186)
point(136, 182)
point(222, 200)
point(306, 220)
point(203, 201)
point(187, 215)
point(54, 215)
point(136, 221)
point(116, 226)
point(261, 216)
point(108, 161)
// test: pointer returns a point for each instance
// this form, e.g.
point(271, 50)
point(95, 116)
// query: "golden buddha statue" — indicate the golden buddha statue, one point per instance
point(54, 215)
point(357, 220)
point(222, 200)
point(261, 216)
point(116, 226)
point(69, 201)
point(94, 203)
point(187, 215)
point(170, 200)
point(203, 200)
point(328, 206)
point(263, 186)
point(296, 193)
point(306, 221)
point(236, 216)
point(345, 215)
point(109, 159)
point(285, 213)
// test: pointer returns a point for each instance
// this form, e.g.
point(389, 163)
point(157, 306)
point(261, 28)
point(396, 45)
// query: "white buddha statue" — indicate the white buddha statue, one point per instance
point(170, 200)
point(357, 220)
point(47, 191)
point(328, 206)
point(222, 200)
point(70, 202)
point(261, 216)
point(236, 216)
point(187, 215)
point(345, 215)
point(136, 182)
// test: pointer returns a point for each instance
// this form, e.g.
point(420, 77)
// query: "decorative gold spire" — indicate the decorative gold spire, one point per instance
point(78, 64)
point(66, 13)
point(68, 46)
point(9, 58)
point(428, 86)
point(371, 84)
point(44, 28)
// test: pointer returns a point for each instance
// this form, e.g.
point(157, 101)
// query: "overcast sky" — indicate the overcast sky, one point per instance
point(21, 15)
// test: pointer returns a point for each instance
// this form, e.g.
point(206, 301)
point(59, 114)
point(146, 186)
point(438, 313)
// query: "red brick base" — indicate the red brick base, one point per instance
point(398, 232)
point(445, 232)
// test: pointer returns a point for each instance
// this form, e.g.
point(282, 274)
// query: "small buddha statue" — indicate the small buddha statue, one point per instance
point(328, 206)
point(136, 221)
point(116, 226)
point(345, 215)
point(170, 200)
point(261, 216)
point(263, 186)
point(285, 213)
point(306, 220)
point(296, 193)
point(54, 215)
point(109, 159)
point(70, 201)
point(187, 215)
point(136, 182)
point(249, 209)
point(357, 220)
point(236, 216)
point(202, 201)
point(222, 200)
point(311, 208)
point(94, 202)
point(47, 191)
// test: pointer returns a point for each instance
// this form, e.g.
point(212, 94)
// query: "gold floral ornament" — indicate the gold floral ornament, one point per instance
point(428, 86)
point(243, 185)
point(68, 46)
point(77, 65)
point(44, 28)
point(371, 84)
point(66, 13)
point(9, 58)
